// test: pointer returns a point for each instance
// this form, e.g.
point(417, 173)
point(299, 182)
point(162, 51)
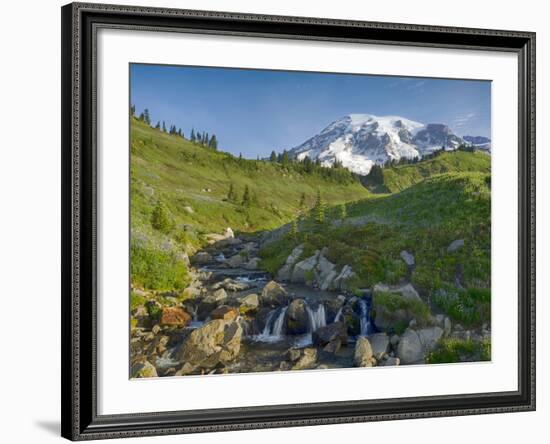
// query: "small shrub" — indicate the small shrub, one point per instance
point(160, 219)
point(460, 350)
point(156, 269)
point(469, 307)
point(391, 302)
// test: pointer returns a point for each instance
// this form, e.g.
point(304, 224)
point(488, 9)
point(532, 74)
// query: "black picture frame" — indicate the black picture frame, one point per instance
point(80, 22)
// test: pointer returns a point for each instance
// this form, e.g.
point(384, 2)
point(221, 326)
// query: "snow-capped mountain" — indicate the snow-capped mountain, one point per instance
point(479, 142)
point(359, 141)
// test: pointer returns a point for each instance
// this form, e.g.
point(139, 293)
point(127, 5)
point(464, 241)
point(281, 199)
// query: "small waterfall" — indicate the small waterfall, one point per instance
point(317, 318)
point(339, 314)
point(279, 323)
point(274, 326)
point(364, 314)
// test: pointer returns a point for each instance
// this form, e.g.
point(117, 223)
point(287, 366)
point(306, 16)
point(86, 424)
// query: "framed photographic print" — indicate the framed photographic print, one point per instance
point(278, 221)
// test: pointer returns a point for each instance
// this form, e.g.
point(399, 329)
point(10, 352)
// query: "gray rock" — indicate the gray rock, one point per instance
point(407, 257)
point(363, 353)
point(285, 272)
point(303, 271)
point(341, 281)
point(455, 245)
point(217, 297)
point(391, 361)
point(273, 295)
point(307, 359)
point(380, 344)
point(410, 349)
point(252, 264)
point(144, 369)
point(297, 319)
point(202, 257)
point(235, 261)
point(407, 291)
point(249, 303)
point(217, 341)
point(331, 332)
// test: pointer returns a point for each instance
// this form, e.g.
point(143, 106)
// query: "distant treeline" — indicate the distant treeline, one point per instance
point(198, 137)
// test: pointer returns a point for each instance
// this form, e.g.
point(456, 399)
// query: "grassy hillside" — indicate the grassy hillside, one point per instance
point(194, 182)
point(423, 219)
point(400, 177)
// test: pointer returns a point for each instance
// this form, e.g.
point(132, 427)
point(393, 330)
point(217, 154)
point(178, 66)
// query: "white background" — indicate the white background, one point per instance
point(118, 394)
point(30, 234)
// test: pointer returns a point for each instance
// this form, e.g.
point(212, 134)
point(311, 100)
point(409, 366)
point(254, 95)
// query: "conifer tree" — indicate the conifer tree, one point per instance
point(133, 110)
point(343, 211)
point(273, 157)
point(213, 143)
point(146, 117)
point(192, 137)
point(302, 204)
point(294, 229)
point(157, 126)
point(246, 197)
point(163, 127)
point(319, 209)
point(231, 195)
point(141, 117)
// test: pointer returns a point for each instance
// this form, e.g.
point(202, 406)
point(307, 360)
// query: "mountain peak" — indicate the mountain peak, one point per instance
point(359, 141)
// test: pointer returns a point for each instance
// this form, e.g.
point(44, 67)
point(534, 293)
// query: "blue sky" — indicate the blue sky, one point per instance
point(255, 111)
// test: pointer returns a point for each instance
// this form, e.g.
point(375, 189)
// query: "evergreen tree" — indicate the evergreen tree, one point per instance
point(192, 137)
point(273, 157)
point(319, 209)
point(246, 197)
point(302, 204)
point(213, 143)
point(163, 127)
point(285, 158)
point(231, 195)
point(180, 133)
point(294, 229)
point(141, 117)
point(133, 110)
point(157, 126)
point(160, 219)
point(146, 117)
point(343, 211)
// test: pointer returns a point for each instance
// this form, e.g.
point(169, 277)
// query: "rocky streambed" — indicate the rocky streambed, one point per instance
point(234, 318)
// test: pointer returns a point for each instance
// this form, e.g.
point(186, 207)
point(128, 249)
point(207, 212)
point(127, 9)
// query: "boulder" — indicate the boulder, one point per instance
point(391, 361)
point(231, 285)
point(410, 349)
point(455, 245)
point(333, 346)
point(303, 271)
point(308, 359)
point(297, 318)
point(144, 369)
point(407, 290)
point(273, 295)
point(407, 257)
point(331, 332)
point(225, 312)
point(175, 316)
point(202, 257)
point(380, 344)
point(249, 303)
point(235, 261)
point(341, 281)
point(218, 341)
point(414, 345)
point(252, 264)
point(363, 355)
point(285, 272)
point(217, 297)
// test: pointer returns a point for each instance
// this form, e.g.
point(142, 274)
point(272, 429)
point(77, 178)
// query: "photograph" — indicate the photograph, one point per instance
point(294, 221)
